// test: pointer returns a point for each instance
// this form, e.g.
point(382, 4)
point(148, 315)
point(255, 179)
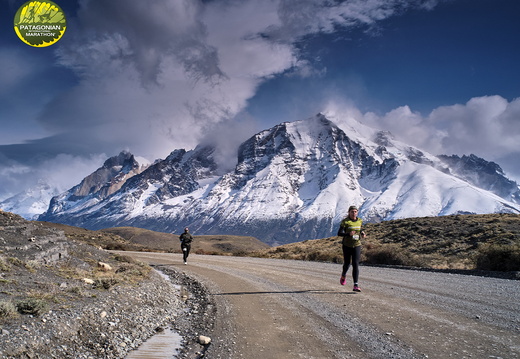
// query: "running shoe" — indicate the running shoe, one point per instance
point(342, 280)
point(356, 289)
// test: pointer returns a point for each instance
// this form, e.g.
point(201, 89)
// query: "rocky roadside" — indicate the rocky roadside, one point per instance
point(197, 318)
point(59, 300)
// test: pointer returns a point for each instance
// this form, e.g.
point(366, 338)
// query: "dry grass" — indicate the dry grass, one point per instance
point(7, 311)
point(488, 242)
point(144, 239)
point(101, 239)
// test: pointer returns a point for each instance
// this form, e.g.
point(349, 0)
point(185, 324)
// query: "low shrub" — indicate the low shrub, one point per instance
point(32, 306)
point(498, 257)
point(240, 254)
point(391, 254)
point(316, 256)
point(76, 290)
point(114, 246)
point(4, 265)
point(15, 261)
point(125, 259)
point(132, 272)
point(104, 283)
point(323, 256)
point(7, 310)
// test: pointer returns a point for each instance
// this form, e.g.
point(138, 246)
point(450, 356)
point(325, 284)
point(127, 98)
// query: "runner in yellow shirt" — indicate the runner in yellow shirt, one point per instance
point(350, 230)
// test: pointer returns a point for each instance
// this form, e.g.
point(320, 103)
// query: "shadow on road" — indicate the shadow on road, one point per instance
point(316, 291)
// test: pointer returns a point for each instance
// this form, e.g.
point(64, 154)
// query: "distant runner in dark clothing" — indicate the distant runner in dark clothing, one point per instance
point(186, 238)
point(350, 230)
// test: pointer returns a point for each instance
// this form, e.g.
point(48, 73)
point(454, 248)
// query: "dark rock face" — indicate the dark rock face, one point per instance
point(107, 179)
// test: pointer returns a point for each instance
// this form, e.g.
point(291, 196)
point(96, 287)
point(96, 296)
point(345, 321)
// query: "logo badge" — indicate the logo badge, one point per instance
point(40, 23)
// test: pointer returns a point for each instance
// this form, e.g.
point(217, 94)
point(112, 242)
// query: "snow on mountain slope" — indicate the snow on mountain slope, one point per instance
point(420, 190)
point(483, 174)
point(292, 182)
point(97, 186)
point(32, 202)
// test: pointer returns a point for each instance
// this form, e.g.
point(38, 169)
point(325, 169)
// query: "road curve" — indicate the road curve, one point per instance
point(294, 309)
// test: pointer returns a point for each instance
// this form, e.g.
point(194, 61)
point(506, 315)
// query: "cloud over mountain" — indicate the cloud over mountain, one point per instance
point(151, 76)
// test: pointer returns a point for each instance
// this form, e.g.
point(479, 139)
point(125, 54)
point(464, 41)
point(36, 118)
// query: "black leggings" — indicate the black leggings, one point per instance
point(185, 253)
point(353, 254)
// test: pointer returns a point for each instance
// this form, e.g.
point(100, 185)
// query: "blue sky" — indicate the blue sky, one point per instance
point(424, 59)
point(153, 76)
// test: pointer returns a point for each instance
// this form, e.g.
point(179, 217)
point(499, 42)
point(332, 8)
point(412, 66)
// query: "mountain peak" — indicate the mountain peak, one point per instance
point(292, 182)
point(484, 174)
point(124, 160)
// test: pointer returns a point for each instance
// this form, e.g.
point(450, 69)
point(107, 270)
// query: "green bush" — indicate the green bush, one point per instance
point(498, 257)
point(32, 306)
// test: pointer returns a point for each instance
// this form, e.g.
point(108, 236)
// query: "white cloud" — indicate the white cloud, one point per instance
point(486, 126)
point(15, 178)
point(65, 171)
point(157, 75)
point(303, 17)
point(61, 172)
point(408, 126)
point(154, 75)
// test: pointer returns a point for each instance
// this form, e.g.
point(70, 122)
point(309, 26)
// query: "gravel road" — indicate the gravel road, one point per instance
point(292, 309)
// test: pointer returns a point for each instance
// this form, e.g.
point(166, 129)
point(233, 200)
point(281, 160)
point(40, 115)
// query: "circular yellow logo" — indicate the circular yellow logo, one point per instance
point(40, 23)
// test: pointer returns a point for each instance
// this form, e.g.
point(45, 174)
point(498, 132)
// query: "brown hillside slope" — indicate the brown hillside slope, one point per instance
point(204, 244)
point(138, 239)
point(488, 242)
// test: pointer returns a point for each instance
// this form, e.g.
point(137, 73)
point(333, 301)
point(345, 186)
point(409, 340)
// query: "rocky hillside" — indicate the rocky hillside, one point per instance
point(63, 298)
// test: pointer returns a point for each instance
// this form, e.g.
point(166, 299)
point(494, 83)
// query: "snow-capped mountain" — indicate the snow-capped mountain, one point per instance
point(483, 174)
point(292, 182)
point(99, 185)
point(32, 202)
